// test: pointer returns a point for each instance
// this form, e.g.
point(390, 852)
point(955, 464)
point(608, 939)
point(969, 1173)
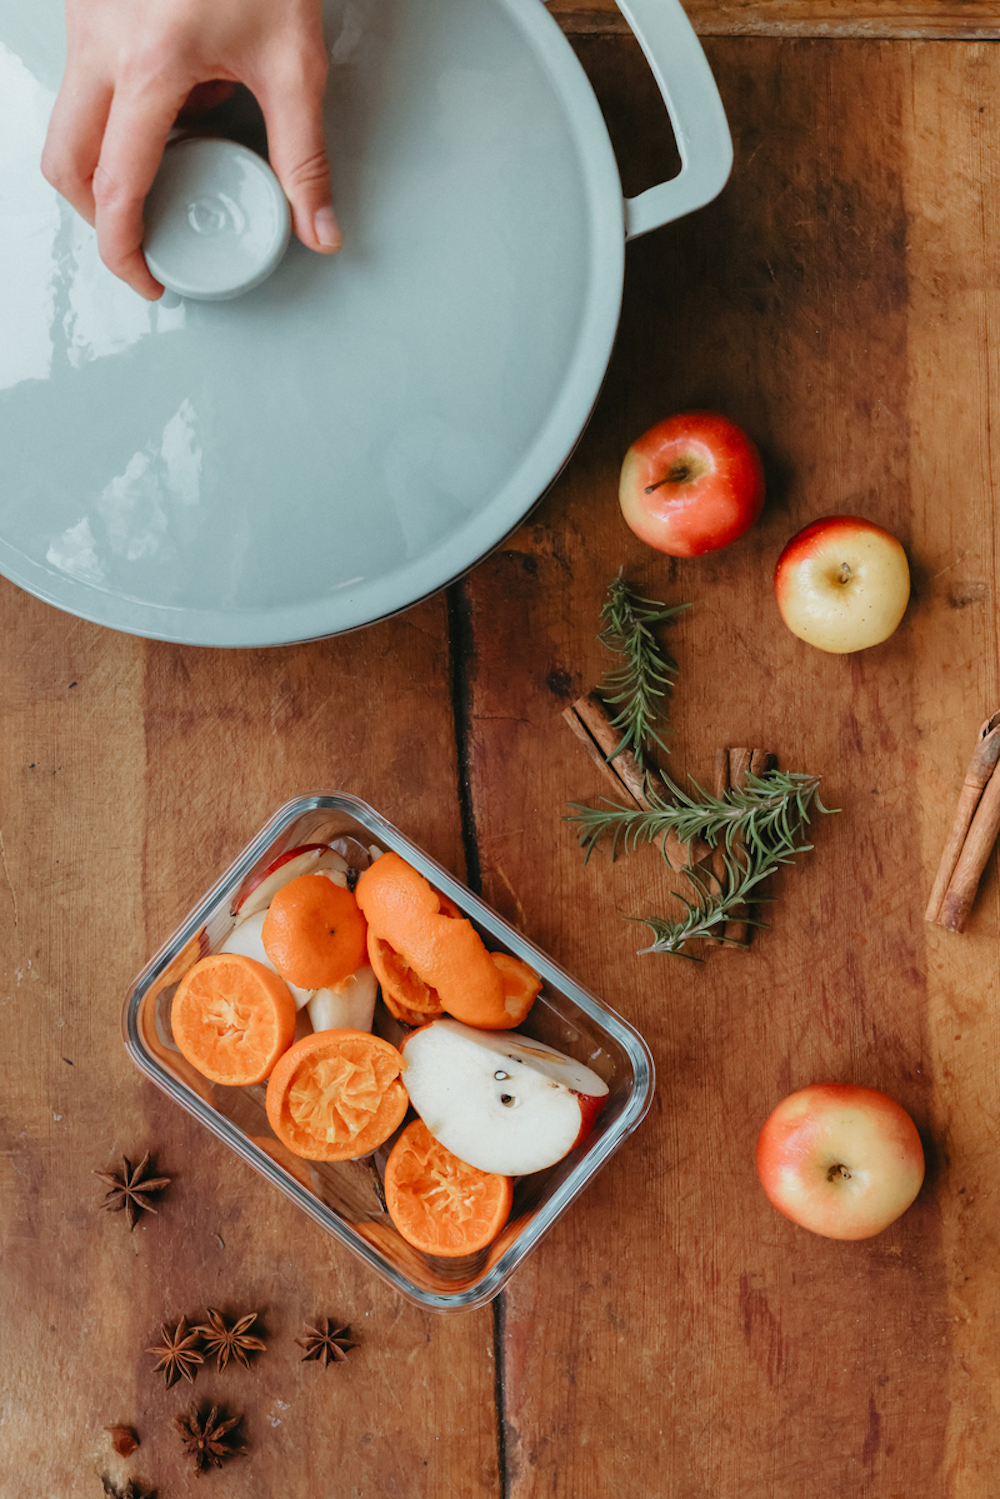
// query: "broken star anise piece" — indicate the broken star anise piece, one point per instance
point(326, 1344)
point(229, 1342)
point(130, 1189)
point(123, 1439)
point(178, 1353)
point(206, 1437)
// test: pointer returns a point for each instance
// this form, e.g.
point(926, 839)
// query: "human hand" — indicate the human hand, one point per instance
point(130, 69)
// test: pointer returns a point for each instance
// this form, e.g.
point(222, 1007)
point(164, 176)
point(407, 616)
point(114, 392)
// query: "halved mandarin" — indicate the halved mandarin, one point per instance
point(232, 1018)
point(337, 1095)
point(439, 1204)
point(314, 932)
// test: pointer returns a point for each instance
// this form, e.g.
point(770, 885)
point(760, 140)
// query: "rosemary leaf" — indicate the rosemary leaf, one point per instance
point(645, 679)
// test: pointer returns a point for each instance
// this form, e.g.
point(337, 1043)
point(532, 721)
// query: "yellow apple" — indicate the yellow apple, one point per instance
point(842, 584)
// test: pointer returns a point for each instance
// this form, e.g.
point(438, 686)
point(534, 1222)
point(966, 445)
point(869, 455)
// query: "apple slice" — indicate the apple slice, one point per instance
point(246, 938)
point(308, 858)
point(499, 1100)
point(348, 1007)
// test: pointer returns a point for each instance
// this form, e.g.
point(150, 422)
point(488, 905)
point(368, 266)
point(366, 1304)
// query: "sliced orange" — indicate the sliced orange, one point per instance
point(232, 1018)
point(437, 1202)
point(314, 933)
point(336, 1095)
point(428, 957)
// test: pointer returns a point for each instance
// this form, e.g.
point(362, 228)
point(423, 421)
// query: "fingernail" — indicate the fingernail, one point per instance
point(327, 229)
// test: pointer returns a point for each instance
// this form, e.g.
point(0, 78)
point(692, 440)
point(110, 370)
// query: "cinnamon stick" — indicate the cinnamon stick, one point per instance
point(972, 860)
point(984, 760)
point(590, 718)
point(743, 762)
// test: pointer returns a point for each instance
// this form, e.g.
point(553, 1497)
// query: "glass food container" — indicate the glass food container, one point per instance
point(345, 1198)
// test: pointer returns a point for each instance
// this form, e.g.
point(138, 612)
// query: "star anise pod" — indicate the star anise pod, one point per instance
point(206, 1437)
point(226, 1342)
point(130, 1190)
point(326, 1344)
point(130, 1491)
point(178, 1353)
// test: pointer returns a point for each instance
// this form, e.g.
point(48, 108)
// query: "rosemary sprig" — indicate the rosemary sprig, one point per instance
point(767, 813)
point(707, 914)
point(647, 674)
point(759, 827)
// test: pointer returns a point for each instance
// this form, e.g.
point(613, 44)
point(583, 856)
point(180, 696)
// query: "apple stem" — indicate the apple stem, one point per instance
point(677, 473)
point(838, 1170)
point(845, 572)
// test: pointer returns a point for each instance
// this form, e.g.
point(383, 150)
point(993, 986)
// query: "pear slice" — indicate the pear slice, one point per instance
point(350, 1006)
point(497, 1099)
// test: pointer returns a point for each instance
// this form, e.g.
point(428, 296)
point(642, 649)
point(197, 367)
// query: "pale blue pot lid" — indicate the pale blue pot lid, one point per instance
point(358, 430)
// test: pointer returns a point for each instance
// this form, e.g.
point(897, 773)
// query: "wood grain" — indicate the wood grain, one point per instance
point(673, 1335)
point(941, 20)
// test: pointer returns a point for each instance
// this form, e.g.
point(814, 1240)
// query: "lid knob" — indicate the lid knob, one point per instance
point(217, 221)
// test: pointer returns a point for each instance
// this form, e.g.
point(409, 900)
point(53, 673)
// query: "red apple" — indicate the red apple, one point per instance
point(691, 484)
point(499, 1100)
point(842, 584)
point(840, 1160)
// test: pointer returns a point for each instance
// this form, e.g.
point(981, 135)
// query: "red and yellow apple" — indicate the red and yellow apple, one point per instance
point(691, 484)
point(842, 584)
point(841, 1160)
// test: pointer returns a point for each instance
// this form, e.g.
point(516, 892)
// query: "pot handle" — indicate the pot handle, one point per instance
point(685, 80)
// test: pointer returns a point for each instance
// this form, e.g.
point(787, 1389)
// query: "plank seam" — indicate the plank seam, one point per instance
point(461, 650)
point(500, 1392)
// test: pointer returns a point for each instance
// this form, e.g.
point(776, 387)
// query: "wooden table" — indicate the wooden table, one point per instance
point(673, 1336)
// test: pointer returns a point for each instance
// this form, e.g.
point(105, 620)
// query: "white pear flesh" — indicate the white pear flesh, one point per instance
point(246, 940)
point(314, 861)
point(498, 1100)
point(348, 1007)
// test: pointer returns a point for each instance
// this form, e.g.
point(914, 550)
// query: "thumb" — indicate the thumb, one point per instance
point(297, 151)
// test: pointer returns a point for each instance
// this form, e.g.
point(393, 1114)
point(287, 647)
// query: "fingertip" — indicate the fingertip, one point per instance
point(329, 238)
point(317, 228)
point(140, 278)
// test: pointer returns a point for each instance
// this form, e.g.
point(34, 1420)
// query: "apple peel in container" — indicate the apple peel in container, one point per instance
point(560, 1090)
